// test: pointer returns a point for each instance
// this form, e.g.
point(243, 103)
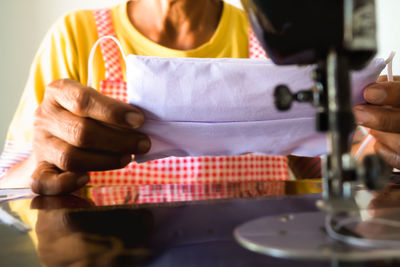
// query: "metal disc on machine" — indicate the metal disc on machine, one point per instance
point(302, 236)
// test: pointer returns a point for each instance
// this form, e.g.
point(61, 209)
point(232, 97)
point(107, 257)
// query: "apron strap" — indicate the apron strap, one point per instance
point(109, 50)
point(255, 48)
point(112, 40)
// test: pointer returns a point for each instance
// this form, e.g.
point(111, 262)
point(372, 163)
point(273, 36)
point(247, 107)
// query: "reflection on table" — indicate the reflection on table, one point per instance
point(161, 225)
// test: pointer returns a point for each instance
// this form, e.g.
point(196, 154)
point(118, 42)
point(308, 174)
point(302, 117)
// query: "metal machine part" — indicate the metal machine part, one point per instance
point(303, 236)
point(338, 36)
point(303, 32)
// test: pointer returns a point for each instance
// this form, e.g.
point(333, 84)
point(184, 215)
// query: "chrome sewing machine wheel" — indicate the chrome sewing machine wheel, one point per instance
point(303, 236)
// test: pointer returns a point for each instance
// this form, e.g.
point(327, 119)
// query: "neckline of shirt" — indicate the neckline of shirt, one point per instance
point(145, 46)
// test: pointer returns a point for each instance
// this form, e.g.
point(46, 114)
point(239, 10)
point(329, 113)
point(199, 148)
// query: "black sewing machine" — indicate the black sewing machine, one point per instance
point(337, 36)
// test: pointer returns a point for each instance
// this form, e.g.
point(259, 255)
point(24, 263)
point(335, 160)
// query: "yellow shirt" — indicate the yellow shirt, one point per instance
point(64, 53)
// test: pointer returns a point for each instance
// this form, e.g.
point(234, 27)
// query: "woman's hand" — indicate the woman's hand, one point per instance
point(382, 116)
point(76, 130)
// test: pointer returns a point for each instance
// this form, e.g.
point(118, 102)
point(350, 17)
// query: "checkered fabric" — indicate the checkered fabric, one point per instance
point(191, 170)
point(188, 170)
point(255, 48)
point(305, 167)
point(110, 51)
point(127, 195)
point(115, 89)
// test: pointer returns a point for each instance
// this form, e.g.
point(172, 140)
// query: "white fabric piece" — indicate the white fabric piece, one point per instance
point(197, 107)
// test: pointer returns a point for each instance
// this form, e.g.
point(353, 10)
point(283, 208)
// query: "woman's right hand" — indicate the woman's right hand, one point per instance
point(76, 130)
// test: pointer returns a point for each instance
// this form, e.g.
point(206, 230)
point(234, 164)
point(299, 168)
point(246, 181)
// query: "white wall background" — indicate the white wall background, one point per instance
point(23, 23)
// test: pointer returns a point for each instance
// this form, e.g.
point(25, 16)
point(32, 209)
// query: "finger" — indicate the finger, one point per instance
point(387, 139)
point(390, 156)
point(384, 78)
point(90, 134)
point(383, 93)
point(69, 158)
point(87, 102)
point(378, 118)
point(49, 180)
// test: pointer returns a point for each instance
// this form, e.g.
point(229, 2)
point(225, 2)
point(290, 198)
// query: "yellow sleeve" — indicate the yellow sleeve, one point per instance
point(62, 54)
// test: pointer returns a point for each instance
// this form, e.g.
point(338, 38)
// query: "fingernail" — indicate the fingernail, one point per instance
point(83, 180)
point(375, 94)
point(134, 119)
point(125, 160)
point(143, 145)
point(361, 116)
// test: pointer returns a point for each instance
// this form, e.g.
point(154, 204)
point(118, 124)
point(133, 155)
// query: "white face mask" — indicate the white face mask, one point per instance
point(202, 106)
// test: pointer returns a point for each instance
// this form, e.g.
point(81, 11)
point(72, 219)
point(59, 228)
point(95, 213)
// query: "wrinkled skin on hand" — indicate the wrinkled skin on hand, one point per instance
point(76, 130)
point(382, 115)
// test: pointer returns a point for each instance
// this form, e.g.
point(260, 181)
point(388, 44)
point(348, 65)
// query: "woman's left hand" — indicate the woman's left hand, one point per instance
point(382, 115)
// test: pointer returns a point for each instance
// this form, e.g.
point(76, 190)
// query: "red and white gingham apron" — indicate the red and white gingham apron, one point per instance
point(140, 194)
point(185, 170)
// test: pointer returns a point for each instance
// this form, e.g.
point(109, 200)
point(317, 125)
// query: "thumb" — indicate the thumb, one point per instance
point(47, 179)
